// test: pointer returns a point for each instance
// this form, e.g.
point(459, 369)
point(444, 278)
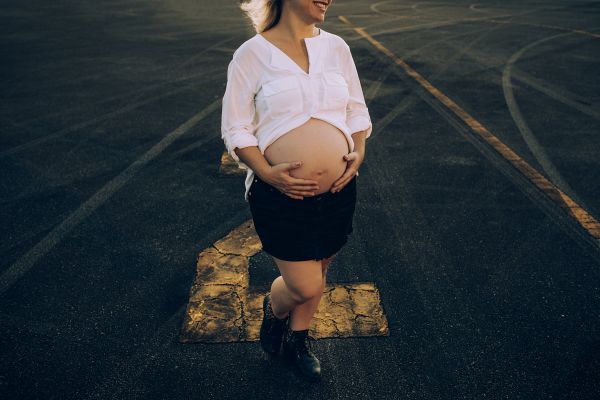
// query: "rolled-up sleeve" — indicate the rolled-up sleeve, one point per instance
point(357, 113)
point(237, 117)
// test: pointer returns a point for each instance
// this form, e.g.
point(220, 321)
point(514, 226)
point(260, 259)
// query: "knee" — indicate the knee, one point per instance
point(307, 291)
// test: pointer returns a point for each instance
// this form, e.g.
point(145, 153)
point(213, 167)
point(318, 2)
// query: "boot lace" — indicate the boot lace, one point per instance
point(305, 345)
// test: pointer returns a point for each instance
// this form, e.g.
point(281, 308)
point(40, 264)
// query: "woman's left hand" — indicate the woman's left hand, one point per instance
point(353, 161)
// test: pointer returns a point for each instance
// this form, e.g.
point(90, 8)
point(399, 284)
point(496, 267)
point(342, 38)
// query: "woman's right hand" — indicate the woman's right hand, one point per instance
point(296, 188)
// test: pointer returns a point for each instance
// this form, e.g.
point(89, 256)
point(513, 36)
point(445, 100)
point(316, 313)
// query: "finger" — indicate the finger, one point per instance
point(344, 178)
point(339, 185)
point(302, 192)
point(294, 196)
point(303, 182)
point(303, 188)
point(338, 188)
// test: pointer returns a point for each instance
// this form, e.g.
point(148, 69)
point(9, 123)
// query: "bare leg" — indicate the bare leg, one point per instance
point(300, 282)
point(303, 313)
point(281, 298)
point(303, 307)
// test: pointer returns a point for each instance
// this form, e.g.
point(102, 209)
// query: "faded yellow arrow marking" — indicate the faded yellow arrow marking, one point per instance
point(224, 308)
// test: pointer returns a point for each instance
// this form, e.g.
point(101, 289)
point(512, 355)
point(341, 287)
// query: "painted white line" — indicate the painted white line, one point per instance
point(126, 371)
point(100, 118)
point(436, 24)
point(574, 100)
point(561, 94)
point(408, 101)
point(583, 218)
point(533, 144)
point(28, 260)
point(474, 7)
point(169, 69)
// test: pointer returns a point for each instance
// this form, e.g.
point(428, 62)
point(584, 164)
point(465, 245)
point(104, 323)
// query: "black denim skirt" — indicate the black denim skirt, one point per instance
point(313, 228)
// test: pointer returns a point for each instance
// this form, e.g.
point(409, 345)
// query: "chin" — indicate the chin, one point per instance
point(317, 16)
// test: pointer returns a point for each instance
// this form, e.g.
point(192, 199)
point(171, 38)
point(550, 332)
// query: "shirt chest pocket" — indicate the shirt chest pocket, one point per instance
point(281, 96)
point(336, 92)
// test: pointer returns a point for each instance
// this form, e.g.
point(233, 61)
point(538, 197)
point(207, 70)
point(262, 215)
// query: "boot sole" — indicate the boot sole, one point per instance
point(289, 357)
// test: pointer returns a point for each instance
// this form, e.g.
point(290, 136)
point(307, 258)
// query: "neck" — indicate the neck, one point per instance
point(293, 27)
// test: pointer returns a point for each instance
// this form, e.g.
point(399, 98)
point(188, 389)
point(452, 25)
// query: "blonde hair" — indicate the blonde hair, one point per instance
point(264, 14)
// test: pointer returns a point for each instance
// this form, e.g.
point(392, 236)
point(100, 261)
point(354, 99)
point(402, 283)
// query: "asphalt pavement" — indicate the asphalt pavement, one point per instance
point(487, 262)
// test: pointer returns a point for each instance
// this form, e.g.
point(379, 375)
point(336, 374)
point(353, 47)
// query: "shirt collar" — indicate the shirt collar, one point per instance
point(280, 60)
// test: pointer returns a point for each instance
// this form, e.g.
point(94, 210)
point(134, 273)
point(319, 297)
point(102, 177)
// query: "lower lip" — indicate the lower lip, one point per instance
point(319, 8)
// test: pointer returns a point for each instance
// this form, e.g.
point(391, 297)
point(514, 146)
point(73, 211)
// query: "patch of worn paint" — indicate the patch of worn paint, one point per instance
point(223, 308)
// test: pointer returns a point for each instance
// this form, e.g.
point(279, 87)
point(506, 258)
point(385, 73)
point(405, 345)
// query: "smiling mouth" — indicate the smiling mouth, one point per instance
point(321, 5)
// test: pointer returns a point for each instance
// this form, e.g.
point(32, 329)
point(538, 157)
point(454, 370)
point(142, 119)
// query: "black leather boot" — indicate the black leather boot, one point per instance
point(298, 349)
point(272, 328)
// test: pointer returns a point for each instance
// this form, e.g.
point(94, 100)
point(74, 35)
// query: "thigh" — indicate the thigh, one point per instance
point(300, 275)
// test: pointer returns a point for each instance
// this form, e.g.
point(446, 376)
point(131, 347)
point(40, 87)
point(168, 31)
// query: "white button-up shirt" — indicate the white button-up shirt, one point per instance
point(268, 94)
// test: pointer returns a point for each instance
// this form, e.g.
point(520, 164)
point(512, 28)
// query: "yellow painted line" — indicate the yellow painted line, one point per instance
point(223, 307)
point(587, 221)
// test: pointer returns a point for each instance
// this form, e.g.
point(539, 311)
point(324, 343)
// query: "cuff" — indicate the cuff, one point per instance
point(360, 123)
point(240, 140)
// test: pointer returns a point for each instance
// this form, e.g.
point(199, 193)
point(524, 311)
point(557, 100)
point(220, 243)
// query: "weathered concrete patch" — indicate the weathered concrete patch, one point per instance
point(344, 311)
point(242, 241)
point(223, 308)
point(350, 310)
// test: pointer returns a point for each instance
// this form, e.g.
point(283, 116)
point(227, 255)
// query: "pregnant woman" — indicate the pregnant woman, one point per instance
point(295, 117)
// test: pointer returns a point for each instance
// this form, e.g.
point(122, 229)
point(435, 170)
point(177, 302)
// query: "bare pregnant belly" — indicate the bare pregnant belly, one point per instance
point(319, 145)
